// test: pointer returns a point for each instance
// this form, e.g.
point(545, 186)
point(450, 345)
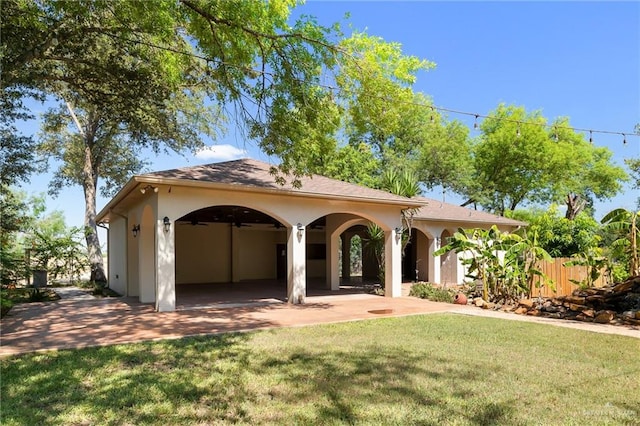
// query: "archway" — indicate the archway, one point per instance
point(229, 253)
point(448, 262)
point(416, 259)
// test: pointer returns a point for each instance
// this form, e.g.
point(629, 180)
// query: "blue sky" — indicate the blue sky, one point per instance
point(574, 59)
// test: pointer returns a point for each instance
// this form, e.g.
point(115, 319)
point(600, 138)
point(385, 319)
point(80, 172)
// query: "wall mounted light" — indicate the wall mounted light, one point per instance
point(135, 230)
point(167, 224)
point(399, 230)
point(149, 188)
point(300, 228)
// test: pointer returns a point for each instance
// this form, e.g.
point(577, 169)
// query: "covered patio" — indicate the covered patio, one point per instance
point(184, 233)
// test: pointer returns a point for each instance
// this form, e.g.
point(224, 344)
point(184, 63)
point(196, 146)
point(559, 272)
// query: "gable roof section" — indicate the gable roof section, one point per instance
point(435, 210)
point(251, 174)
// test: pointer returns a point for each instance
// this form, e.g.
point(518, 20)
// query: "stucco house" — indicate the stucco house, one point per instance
point(231, 222)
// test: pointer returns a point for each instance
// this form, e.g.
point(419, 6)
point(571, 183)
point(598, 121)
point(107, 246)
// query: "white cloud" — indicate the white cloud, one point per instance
point(221, 153)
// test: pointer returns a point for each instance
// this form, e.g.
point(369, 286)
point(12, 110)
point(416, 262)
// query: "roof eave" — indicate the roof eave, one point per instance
point(136, 180)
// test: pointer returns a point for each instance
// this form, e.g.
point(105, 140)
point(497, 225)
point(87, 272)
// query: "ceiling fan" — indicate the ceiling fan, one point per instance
point(193, 223)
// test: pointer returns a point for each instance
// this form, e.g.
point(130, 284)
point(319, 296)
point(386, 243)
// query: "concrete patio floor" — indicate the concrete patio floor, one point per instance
point(78, 323)
point(81, 322)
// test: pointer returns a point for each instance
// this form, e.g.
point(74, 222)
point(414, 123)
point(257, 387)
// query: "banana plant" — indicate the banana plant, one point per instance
point(625, 225)
point(526, 253)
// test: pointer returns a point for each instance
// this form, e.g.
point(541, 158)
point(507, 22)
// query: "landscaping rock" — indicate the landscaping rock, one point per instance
point(521, 310)
point(604, 317)
point(576, 308)
point(583, 317)
point(576, 300)
point(617, 304)
point(527, 303)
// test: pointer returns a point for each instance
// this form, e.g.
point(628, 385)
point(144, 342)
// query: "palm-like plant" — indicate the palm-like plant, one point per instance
point(405, 184)
point(625, 225)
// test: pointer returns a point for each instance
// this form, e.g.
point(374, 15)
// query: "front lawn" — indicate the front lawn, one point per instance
point(429, 370)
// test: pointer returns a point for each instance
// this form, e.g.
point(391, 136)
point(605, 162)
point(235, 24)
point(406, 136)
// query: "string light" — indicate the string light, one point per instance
point(337, 89)
point(519, 122)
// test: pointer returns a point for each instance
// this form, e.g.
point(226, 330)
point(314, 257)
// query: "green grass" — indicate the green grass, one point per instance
point(426, 370)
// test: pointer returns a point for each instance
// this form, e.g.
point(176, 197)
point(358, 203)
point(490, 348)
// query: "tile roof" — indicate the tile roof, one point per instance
point(441, 211)
point(249, 173)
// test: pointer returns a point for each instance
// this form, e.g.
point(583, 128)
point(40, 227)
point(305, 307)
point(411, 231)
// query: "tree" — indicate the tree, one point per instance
point(517, 160)
point(375, 81)
point(559, 236)
point(625, 226)
point(13, 220)
point(130, 76)
point(580, 171)
point(445, 156)
point(634, 167)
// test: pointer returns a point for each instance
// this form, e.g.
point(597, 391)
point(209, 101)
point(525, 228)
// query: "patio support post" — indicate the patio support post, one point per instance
point(392, 263)
point(346, 256)
point(333, 273)
point(166, 273)
point(296, 263)
point(434, 267)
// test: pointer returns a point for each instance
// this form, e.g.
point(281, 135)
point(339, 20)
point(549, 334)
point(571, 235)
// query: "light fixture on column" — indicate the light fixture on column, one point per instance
point(167, 224)
point(399, 230)
point(300, 228)
point(149, 188)
point(135, 230)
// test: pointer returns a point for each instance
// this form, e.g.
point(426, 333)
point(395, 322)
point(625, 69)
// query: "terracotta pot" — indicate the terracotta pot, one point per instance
point(460, 299)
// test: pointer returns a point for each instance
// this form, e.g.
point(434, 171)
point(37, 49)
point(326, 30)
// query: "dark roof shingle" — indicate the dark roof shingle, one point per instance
point(257, 174)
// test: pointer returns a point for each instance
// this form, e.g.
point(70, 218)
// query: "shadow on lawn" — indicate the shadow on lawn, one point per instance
point(382, 385)
point(223, 379)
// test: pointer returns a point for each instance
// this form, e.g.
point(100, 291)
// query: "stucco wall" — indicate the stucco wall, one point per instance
point(256, 254)
point(118, 257)
point(202, 253)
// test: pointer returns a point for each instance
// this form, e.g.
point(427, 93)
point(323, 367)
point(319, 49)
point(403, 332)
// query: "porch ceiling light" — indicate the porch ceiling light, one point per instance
point(148, 188)
point(135, 230)
point(167, 224)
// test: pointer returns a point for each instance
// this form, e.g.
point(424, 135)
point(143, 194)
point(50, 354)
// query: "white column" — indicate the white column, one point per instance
point(435, 262)
point(333, 272)
point(296, 264)
point(392, 264)
point(166, 267)
point(147, 262)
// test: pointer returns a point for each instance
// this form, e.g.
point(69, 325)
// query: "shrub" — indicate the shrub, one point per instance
point(431, 292)
point(5, 304)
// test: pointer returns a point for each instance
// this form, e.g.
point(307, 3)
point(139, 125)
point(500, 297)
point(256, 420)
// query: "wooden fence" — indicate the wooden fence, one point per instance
point(562, 275)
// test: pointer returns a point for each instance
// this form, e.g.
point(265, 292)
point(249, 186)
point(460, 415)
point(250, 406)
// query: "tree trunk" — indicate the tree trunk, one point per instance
point(575, 204)
point(90, 185)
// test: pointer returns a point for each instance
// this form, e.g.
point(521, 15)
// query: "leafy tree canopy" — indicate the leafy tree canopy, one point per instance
point(559, 236)
point(520, 159)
